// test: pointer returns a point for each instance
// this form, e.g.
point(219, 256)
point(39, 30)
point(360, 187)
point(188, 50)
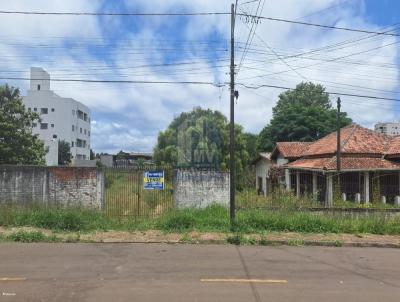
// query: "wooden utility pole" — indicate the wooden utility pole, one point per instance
point(232, 122)
point(338, 147)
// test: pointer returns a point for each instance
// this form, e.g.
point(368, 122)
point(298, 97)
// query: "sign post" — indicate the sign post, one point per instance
point(153, 180)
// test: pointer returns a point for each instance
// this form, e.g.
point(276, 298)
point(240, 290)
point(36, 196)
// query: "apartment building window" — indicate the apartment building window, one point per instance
point(34, 125)
point(52, 110)
point(44, 110)
point(81, 143)
point(72, 144)
point(73, 112)
point(84, 131)
point(81, 130)
point(54, 135)
point(38, 87)
point(73, 128)
point(80, 114)
point(35, 109)
point(52, 125)
point(85, 117)
point(29, 109)
point(88, 133)
point(43, 125)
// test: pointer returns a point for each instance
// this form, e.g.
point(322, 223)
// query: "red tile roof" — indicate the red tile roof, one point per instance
point(394, 147)
point(354, 140)
point(362, 149)
point(292, 149)
point(347, 163)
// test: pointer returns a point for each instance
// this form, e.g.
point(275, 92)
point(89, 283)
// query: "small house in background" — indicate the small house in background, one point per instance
point(283, 153)
point(263, 164)
point(370, 168)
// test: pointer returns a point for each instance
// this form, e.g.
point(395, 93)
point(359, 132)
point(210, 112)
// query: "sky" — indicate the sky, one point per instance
point(196, 48)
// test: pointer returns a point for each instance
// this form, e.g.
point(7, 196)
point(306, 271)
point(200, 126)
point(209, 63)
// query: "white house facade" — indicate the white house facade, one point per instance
point(263, 164)
point(61, 118)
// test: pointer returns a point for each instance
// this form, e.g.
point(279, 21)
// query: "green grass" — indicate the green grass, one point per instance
point(249, 199)
point(32, 236)
point(211, 219)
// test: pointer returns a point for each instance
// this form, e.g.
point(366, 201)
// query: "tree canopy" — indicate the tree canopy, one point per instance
point(17, 143)
point(302, 114)
point(200, 138)
point(64, 153)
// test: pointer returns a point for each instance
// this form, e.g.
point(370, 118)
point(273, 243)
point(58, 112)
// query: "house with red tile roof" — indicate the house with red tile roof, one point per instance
point(283, 153)
point(369, 166)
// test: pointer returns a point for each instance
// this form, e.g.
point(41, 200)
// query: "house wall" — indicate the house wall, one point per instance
point(60, 118)
point(53, 186)
point(280, 160)
point(262, 169)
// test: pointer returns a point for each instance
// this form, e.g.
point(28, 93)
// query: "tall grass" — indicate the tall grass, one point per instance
point(211, 219)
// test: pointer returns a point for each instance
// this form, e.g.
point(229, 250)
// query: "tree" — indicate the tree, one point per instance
point(251, 145)
point(302, 114)
point(64, 153)
point(18, 146)
point(200, 138)
point(92, 155)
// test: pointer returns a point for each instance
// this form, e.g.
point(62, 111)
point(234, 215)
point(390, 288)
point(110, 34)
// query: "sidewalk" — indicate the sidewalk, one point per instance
point(154, 236)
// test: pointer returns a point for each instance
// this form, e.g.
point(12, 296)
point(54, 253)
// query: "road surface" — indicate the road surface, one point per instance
point(165, 272)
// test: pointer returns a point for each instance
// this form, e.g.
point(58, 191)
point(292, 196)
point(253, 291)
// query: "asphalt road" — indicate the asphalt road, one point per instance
point(162, 272)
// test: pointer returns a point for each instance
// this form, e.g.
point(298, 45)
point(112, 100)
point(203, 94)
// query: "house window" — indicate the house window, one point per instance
point(73, 128)
point(52, 125)
point(44, 110)
point(52, 109)
point(43, 125)
point(38, 87)
point(54, 135)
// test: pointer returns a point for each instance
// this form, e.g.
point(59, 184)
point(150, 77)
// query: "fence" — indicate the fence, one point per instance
point(125, 195)
point(325, 189)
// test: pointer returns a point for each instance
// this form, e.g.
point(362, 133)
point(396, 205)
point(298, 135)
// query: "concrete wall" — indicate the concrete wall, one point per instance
point(57, 186)
point(200, 188)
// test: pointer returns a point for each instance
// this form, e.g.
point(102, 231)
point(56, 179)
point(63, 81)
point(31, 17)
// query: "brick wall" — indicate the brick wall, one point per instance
point(200, 188)
point(64, 186)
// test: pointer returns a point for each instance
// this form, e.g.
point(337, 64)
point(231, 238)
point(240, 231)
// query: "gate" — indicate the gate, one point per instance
point(125, 195)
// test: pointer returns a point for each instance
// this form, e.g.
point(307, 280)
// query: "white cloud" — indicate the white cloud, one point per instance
point(129, 116)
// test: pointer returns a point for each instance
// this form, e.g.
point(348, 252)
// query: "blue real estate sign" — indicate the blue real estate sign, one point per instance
point(153, 180)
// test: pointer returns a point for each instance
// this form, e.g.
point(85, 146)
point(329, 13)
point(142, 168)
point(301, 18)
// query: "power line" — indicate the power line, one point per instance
point(320, 25)
point(118, 81)
point(195, 14)
point(330, 92)
point(250, 37)
point(328, 61)
point(111, 14)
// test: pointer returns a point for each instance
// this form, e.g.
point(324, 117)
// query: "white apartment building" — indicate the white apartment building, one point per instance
point(388, 128)
point(61, 118)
